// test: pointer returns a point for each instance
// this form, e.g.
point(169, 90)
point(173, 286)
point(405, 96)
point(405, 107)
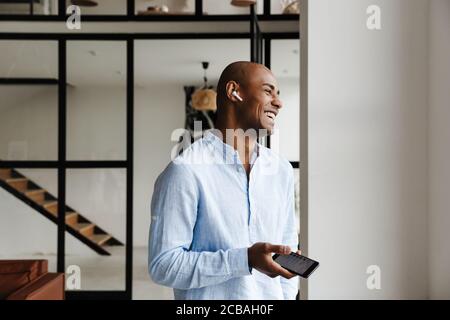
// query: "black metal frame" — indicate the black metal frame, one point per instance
point(62, 146)
point(132, 16)
point(28, 81)
point(62, 164)
point(256, 41)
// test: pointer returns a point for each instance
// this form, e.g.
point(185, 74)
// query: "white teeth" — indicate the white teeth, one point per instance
point(271, 115)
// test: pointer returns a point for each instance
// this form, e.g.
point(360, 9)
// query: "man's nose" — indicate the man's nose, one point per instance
point(276, 102)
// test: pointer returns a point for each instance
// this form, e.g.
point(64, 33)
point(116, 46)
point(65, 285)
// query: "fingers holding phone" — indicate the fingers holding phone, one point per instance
point(260, 258)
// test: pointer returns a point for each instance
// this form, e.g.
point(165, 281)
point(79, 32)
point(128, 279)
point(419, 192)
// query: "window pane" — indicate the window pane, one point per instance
point(96, 200)
point(278, 7)
point(285, 64)
point(96, 100)
point(102, 7)
point(162, 7)
point(28, 112)
point(28, 198)
point(28, 59)
point(44, 7)
point(213, 7)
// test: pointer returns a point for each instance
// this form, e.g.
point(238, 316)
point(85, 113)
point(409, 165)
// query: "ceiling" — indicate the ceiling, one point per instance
point(180, 60)
point(157, 62)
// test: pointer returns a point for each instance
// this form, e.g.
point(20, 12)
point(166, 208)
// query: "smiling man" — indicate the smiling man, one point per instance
point(222, 208)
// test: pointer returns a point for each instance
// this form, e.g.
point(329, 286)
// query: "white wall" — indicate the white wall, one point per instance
point(368, 148)
point(29, 122)
point(439, 151)
point(96, 123)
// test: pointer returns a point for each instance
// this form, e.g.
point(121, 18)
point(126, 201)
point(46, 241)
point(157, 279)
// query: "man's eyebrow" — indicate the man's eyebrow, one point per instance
point(271, 87)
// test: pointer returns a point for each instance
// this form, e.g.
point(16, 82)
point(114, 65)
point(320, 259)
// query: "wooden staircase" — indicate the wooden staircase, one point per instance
point(45, 203)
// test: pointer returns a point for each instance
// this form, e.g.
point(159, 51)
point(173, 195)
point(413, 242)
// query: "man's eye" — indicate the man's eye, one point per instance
point(269, 92)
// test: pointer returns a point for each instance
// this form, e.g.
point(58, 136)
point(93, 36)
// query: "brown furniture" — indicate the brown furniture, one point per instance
point(29, 280)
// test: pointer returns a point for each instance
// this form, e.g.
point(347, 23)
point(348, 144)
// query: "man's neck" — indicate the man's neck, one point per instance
point(242, 143)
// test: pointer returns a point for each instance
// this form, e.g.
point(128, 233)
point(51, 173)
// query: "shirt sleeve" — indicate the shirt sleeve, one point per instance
point(290, 238)
point(173, 215)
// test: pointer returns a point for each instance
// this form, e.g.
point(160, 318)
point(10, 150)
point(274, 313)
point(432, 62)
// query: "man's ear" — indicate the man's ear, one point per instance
point(233, 91)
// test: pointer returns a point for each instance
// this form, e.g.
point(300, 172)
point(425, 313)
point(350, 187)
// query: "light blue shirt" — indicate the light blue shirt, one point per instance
point(205, 214)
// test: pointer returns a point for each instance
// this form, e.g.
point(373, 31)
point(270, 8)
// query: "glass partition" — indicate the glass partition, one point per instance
point(29, 107)
point(100, 7)
point(220, 7)
point(164, 7)
point(96, 100)
point(284, 6)
point(28, 206)
point(29, 7)
point(285, 65)
point(96, 205)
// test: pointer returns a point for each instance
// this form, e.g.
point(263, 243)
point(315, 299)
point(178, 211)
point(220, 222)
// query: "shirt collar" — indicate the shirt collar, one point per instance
point(229, 154)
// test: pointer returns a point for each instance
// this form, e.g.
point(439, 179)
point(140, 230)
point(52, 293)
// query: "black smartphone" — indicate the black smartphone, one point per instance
point(295, 263)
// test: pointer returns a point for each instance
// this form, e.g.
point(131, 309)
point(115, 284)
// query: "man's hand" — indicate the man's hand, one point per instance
point(260, 258)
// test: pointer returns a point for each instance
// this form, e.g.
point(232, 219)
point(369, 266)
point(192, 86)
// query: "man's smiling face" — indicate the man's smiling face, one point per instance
point(261, 99)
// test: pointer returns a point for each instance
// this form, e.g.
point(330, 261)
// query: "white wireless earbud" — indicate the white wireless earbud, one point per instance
point(234, 93)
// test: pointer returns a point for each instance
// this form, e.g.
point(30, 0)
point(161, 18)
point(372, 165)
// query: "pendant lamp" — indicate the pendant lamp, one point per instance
point(204, 99)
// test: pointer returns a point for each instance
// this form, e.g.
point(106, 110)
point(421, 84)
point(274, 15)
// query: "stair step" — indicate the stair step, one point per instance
point(100, 239)
point(36, 195)
point(52, 208)
point(5, 174)
point(20, 184)
point(50, 205)
point(85, 228)
point(71, 218)
point(46, 202)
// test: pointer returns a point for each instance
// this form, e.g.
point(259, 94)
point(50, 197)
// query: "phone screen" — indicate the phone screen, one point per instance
point(295, 263)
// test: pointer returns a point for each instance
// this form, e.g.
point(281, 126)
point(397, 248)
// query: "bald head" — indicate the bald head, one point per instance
point(240, 72)
point(259, 100)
